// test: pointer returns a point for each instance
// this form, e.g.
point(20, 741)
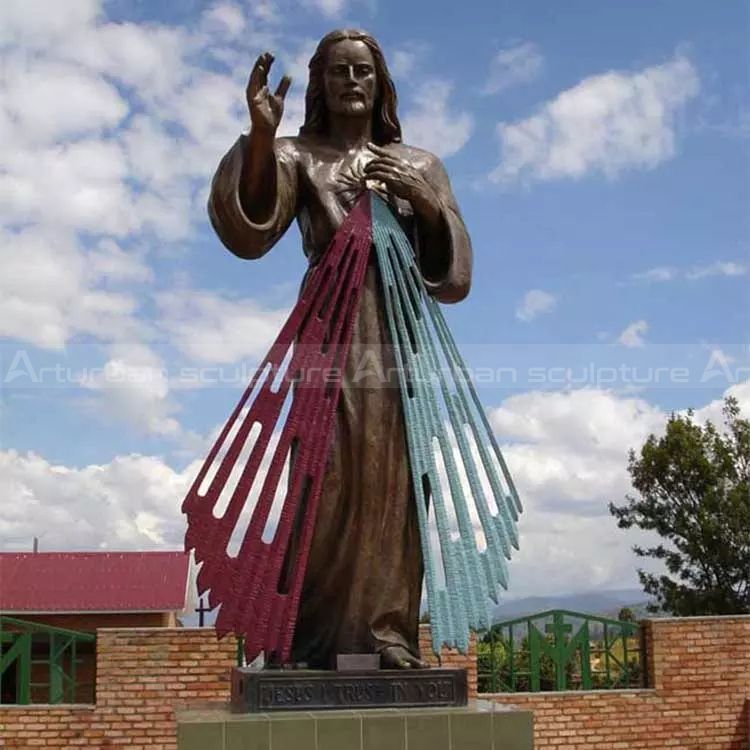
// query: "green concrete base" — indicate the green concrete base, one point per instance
point(479, 726)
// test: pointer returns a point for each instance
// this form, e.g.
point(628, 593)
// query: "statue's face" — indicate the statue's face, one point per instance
point(350, 79)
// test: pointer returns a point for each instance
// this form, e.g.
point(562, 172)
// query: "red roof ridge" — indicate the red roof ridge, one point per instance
point(99, 552)
point(94, 581)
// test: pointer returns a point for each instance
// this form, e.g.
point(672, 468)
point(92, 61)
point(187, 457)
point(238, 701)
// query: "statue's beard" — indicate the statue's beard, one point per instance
point(354, 107)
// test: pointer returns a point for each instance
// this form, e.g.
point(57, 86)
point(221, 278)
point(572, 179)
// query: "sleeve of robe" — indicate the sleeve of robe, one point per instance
point(446, 268)
point(246, 238)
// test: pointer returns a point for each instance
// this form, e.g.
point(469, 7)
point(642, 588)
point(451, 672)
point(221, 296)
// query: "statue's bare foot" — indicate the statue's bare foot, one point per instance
point(397, 657)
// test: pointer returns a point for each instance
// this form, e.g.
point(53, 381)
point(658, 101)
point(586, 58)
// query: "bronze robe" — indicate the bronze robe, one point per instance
point(362, 588)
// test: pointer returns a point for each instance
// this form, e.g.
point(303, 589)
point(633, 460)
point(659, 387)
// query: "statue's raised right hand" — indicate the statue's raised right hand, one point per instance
point(266, 109)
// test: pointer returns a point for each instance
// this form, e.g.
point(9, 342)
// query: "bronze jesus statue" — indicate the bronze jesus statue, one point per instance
point(362, 586)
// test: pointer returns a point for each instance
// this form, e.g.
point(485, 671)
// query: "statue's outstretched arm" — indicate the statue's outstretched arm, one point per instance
point(226, 208)
point(254, 191)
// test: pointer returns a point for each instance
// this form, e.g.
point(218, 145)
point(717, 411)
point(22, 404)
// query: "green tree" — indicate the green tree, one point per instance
point(694, 491)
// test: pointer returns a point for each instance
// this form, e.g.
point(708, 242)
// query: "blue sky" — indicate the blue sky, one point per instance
point(599, 152)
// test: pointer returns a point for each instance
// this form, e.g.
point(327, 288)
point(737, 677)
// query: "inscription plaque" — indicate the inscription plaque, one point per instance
point(264, 691)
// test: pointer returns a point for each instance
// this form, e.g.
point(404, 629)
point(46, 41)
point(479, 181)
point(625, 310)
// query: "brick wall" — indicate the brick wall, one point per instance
point(451, 658)
point(700, 675)
point(142, 676)
point(699, 669)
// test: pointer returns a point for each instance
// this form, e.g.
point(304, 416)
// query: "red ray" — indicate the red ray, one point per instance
point(318, 332)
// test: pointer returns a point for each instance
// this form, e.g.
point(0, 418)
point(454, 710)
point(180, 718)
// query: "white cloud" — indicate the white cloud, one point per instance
point(132, 387)
point(52, 289)
point(632, 336)
point(227, 18)
point(712, 410)
point(109, 261)
point(661, 273)
point(330, 8)
point(83, 179)
point(402, 62)
point(73, 159)
point(207, 327)
point(535, 302)
point(567, 453)
point(430, 124)
point(720, 268)
point(405, 60)
point(84, 187)
point(42, 21)
point(582, 420)
point(150, 61)
point(513, 65)
point(605, 124)
point(91, 103)
point(132, 502)
point(671, 273)
point(265, 11)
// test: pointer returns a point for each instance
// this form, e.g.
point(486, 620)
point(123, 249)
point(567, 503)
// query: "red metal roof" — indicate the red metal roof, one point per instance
point(93, 581)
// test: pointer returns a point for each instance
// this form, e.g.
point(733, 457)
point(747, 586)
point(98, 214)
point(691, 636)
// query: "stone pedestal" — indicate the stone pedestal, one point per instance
point(481, 725)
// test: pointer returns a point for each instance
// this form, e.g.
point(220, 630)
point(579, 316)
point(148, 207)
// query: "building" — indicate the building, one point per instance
point(88, 590)
point(52, 603)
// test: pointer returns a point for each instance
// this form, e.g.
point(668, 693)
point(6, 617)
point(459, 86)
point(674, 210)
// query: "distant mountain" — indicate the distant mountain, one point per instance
point(640, 611)
point(605, 603)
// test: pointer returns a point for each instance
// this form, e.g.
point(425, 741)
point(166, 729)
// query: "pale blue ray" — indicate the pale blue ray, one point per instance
point(420, 336)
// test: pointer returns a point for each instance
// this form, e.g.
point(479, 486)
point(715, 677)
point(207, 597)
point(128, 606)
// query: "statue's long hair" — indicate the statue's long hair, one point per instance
point(385, 125)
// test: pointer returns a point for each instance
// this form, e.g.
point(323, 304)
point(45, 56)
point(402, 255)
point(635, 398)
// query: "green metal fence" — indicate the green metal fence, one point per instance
point(560, 650)
point(41, 664)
